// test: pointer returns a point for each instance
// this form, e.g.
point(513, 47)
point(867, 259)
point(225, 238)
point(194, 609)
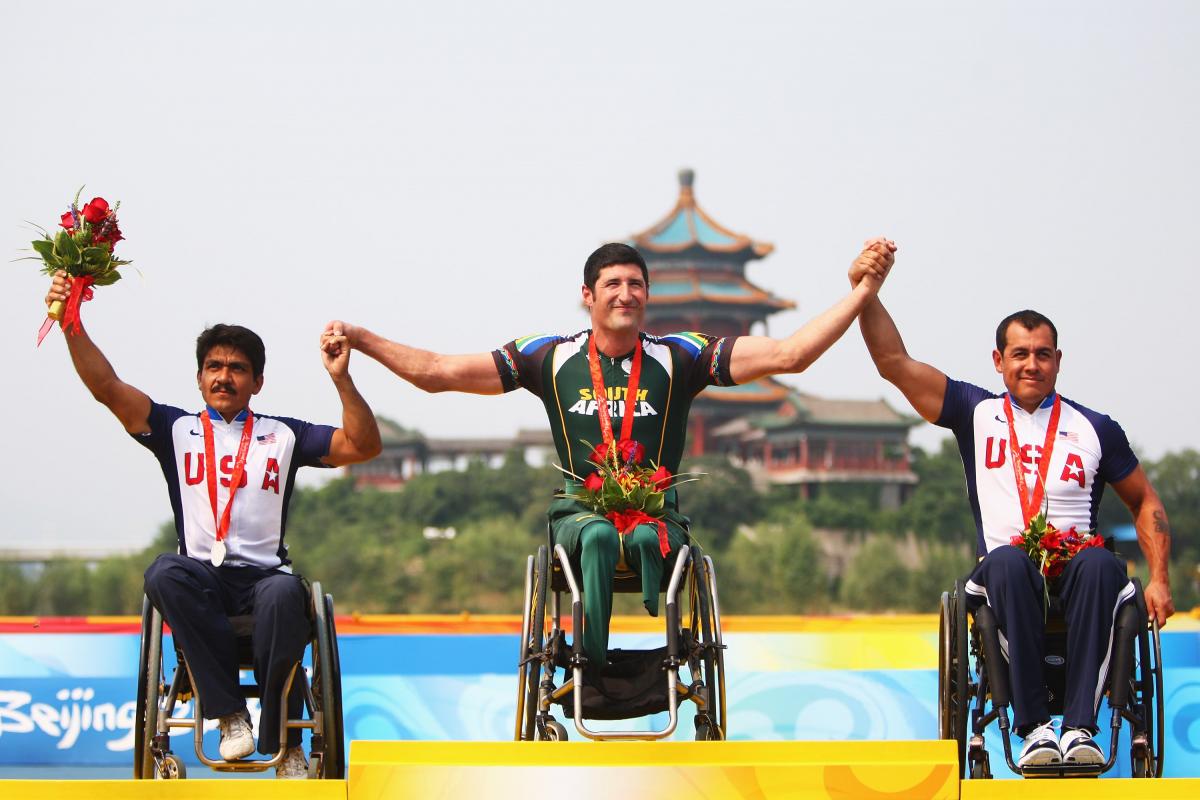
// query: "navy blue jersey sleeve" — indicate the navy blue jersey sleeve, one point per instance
point(312, 441)
point(958, 404)
point(1117, 459)
point(519, 363)
point(158, 439)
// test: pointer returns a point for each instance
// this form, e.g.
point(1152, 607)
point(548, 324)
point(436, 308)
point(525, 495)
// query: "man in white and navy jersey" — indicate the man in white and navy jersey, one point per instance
point(229, 474)
point(1024, 451)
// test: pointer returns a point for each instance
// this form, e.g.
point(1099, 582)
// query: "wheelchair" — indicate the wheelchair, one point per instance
point(980, 695)
point(635, 682)
point(159, 694)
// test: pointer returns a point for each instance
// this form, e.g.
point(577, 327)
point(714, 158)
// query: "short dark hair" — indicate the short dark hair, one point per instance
point(606, 255)
point(238, 338)
point(1029, 320)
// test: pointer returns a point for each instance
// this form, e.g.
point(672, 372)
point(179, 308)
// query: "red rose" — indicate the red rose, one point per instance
point(1017, 540)
point(1055, 568)
point(661, 478)
point(631, 452)
point(68, 221)
point(594, 482)
point(1095, 540)
point(599, 454)
point(96, 210)
point(1051, 539)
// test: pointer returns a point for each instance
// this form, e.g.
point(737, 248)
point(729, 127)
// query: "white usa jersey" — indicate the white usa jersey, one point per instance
point(1090, 451)
point(278, 447)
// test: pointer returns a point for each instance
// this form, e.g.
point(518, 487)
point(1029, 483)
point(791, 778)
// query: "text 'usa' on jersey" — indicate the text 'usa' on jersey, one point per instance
point(675, 368)
point(1089, 451)
point(279, 446)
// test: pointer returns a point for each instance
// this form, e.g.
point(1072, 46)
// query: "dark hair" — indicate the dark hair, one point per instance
point(1029, 320)
point(238, 338)
point(606, 255)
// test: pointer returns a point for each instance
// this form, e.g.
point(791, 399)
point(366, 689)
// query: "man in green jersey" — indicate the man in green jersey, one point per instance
point(674, 369)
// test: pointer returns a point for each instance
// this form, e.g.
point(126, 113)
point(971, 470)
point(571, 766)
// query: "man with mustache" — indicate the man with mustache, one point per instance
point(1026, 451)
point(229, 474)
point(586, 384)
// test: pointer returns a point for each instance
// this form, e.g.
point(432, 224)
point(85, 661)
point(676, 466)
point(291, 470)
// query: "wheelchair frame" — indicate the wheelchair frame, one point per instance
point(547, 577)
point(152, 756)
point(1134, 690)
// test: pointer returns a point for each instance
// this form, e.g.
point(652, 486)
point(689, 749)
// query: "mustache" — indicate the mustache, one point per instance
point(223, 387)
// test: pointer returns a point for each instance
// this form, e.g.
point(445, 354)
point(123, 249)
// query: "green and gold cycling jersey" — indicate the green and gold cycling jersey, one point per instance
point(675, 368)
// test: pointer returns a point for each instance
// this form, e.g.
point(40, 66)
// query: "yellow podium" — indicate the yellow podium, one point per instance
point(699, 770)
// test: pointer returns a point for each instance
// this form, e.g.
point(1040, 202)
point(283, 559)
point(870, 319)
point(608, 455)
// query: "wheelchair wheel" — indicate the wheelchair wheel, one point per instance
point(171, 768)
point(532, 647)
point(145, 720)
point(553, 731)
point(958, 693)
point(327, 685)
point(712, 657)
point(1153, 689)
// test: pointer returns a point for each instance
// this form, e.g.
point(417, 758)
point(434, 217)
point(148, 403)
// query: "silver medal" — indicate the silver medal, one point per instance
point(218, 553)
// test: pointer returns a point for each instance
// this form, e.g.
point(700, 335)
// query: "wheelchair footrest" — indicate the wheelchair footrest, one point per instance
point(1063, 771)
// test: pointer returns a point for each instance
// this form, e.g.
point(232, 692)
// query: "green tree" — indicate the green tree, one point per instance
point(876, 580)
point(719, 502)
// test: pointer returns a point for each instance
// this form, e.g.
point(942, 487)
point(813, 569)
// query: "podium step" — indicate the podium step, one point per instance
point(922, 770)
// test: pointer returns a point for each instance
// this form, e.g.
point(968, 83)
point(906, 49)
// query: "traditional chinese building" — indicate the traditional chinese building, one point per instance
point(698, 282)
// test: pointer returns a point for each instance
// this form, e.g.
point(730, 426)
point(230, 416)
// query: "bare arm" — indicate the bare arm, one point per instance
point(432, 372)
point(923, 386)
point(358, 438)
point(129, 405)
point(755, 357)
point(1154, 539)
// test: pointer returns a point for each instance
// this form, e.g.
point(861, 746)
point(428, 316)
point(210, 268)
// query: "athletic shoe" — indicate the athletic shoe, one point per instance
point(1078, 747)
point(1041, 747)
point(237, 739)
point(294, 764)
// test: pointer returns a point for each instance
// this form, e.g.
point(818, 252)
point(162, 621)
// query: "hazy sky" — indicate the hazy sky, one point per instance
point(440, 171)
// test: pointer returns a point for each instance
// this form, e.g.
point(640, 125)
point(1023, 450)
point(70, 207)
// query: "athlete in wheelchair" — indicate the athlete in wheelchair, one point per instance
point(615, 384)
point(166, 680)
point(229, 475)
point(1031, 452)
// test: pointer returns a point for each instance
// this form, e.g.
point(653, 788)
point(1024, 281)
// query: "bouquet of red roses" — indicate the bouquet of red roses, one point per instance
point(624, 490)
point(1051, 548)
point(84, 250)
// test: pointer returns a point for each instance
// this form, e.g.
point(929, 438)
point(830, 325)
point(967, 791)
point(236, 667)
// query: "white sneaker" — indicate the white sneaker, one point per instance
point(1041, 747)
point(237, 739)
point(1078, 748)
point(294, 764)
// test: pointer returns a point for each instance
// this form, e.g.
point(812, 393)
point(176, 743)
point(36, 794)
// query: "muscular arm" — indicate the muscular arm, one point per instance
point(129, 405)
point(358, 438)
point(432, 372)
point(923, 386)
point(755, 357)
point(1154, 539)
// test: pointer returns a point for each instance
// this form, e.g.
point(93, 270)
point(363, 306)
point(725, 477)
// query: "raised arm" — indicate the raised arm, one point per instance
point(432, 372)
point(923, 386)
point(128, 404)
point(358, 438)
point(1154, 539)
point(755, 357)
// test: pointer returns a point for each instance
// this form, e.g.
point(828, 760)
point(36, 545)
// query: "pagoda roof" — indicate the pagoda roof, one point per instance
point(692, 287)
point(763, 390)
point(800, 409)
point(689, 227)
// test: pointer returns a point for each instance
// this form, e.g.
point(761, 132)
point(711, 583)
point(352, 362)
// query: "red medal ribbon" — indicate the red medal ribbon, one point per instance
point(601, 394)
point(1030, 505)
point(626, 521)
point(210, 469)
